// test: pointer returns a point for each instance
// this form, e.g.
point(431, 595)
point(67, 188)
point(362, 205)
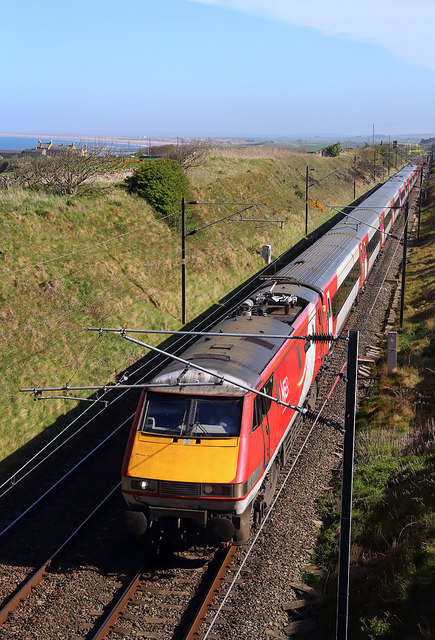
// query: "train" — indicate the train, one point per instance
point(214, 427)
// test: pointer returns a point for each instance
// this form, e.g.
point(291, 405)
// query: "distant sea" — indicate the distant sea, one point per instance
point(19, 143)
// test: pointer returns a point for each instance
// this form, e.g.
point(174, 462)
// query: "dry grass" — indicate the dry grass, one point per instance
point(254, 153)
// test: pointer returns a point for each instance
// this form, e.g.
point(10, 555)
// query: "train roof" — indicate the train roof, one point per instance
point(240, 359)
point(321, 261)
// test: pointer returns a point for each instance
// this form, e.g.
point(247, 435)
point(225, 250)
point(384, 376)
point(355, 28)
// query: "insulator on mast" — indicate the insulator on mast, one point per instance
point(321, 337)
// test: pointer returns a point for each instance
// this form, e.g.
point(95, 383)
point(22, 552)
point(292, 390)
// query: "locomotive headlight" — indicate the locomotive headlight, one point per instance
point(144, 485)
point(221, 490)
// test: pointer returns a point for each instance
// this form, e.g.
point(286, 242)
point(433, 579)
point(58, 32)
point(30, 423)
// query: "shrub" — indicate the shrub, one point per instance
point(333, 150)
point(162, 183)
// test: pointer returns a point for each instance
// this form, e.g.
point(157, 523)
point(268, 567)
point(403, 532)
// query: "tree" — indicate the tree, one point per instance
point(65, 172)
point(162, 183)
point(188, 154)
point(333, 150)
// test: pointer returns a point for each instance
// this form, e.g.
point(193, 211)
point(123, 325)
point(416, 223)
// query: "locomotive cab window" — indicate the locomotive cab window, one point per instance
point(169, 414)
point(262, 405)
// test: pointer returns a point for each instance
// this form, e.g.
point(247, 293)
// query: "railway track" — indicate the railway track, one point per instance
point(14, 599)
point(170, 617)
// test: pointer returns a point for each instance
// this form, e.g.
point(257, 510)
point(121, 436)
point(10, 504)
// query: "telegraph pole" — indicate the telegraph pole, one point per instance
point(183, 261)
point(420, 198)
point(354, 177)
point(306, 199)
point(374, 156)
point(405, 244)
point(346, 487)
point(389, 155)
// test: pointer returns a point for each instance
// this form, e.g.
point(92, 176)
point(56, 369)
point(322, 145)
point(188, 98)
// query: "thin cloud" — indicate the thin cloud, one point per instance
point(403, 28)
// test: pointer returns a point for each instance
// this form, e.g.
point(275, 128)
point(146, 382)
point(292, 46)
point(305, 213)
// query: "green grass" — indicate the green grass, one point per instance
point(132, 281)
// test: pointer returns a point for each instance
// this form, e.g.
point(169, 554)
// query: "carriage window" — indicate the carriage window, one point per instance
point(387, 220)
point(344, 290)
point(373, 243)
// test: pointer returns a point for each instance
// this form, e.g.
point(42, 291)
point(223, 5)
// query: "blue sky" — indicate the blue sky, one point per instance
point(217, 67)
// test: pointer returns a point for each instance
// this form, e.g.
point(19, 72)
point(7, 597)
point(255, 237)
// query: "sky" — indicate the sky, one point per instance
point(218, 68)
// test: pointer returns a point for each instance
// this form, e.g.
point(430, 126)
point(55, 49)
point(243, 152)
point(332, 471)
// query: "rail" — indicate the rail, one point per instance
point(13, 601)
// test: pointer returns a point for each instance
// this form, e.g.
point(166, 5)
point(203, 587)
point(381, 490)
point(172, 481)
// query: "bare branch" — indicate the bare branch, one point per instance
point(188, 154)
point(66, 171)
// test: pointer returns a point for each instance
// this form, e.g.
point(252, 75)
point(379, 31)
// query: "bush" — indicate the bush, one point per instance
point(333, 150)
point(162, 183)
point(65, 172)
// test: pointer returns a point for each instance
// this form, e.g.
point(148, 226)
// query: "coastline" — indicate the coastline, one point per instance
point(137, 141)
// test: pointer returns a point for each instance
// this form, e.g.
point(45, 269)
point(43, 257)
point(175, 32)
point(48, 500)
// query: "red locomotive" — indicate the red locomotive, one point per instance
point(209, 435)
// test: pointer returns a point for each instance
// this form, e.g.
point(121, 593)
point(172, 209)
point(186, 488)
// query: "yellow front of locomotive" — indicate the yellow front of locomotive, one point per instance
point(181, 469)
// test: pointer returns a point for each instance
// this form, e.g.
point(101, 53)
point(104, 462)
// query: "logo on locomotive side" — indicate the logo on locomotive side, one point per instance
point(284, 389)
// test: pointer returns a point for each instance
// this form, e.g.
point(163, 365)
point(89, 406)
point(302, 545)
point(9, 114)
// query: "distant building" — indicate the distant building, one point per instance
point(50, 149)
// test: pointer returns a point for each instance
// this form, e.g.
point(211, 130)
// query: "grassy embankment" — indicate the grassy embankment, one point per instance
point(133, 281)
point(392, 592)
